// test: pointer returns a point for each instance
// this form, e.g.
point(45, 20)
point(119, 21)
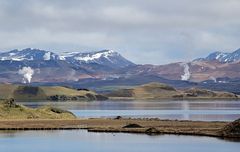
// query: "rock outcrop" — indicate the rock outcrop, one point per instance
point(231, 130)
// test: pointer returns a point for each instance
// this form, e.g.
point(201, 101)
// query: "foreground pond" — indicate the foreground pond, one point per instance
point(182, 110)
point(81, 140)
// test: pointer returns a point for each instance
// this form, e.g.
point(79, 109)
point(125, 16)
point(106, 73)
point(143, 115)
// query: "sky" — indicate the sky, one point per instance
point(143, 31)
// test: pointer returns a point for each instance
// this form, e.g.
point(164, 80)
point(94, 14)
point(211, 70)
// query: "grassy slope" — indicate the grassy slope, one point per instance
point(39, 93)
point(14, 111)
point(154, 90)
point(162, 91)
point(64, 91)
point(6, 91)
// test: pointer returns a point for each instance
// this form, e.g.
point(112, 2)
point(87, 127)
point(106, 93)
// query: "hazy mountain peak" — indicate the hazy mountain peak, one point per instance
point(222, 57)
point(28, 54)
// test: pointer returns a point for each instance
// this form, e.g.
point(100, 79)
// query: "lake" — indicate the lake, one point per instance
point(182, 110)
point(81, 140)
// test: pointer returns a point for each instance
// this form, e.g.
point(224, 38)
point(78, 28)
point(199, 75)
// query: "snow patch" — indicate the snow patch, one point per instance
point(62, 58)
point(92, 57)
point(17, 59)
point(3, 58)
point(65, 55)
point(221, 56)
point(47, 56)
point(27, 73)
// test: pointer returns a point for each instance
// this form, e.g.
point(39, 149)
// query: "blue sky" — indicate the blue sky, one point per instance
point(144, 31)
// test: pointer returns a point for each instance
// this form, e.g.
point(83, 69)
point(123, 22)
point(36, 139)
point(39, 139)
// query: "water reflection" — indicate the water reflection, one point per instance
point(183, 110)
point(81, 140)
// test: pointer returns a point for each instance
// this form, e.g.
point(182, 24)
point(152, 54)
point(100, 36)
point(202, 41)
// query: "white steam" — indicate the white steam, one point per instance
point(27, 73)
point(187, 74)
point(214, 79)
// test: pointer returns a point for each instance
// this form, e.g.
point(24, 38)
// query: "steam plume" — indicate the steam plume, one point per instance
point(186, 75)
point(214, 79)
point(27, 73)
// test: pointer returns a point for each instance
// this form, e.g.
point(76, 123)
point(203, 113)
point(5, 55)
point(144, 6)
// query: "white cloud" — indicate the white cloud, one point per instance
point(157, 31)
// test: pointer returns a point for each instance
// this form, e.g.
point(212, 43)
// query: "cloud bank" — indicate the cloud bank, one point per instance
point(152, 31)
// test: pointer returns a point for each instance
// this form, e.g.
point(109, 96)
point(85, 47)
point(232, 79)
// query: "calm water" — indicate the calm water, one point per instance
point(184, 110)
point(82, 141)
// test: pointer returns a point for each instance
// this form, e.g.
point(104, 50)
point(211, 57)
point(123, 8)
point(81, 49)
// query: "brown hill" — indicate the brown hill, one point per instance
point(46, 93)
point(198, 70)
point(163, 91)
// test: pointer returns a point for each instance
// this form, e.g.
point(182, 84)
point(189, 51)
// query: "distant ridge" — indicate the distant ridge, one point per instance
point(222, 57)
point(108, 66)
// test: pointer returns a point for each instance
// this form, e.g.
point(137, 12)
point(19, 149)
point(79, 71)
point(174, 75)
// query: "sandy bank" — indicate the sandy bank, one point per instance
point(145, 126)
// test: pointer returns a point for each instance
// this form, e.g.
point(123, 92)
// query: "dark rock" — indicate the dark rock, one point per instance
point(151, 131)
point(191, 95)
point(53, 98)
point(194, 92)
point(10, 103)
point(90, 96)
point(74, 98)
point(101, 97)
point(232, 129)
point(57, 110)
point(83, 89)
point(118, 117)
point(132, 126)
point(63, 98)
point(178, 96)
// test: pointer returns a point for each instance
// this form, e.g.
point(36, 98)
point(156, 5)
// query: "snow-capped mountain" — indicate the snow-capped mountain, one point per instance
point(108, 64)
point(108, 58)
point(29, 54)
point(222, 57)
point(49, 66)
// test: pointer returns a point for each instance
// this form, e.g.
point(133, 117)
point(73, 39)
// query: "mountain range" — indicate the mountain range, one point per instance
point(222, 57)
point(108, 67)
point(52, 67)
point(215, 66)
